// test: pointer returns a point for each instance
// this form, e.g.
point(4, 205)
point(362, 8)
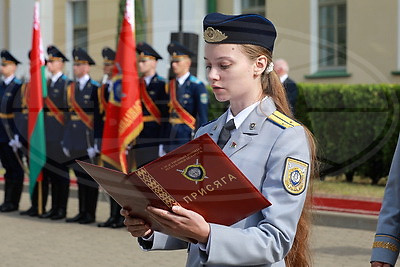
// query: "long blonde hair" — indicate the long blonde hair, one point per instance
point(300, 253)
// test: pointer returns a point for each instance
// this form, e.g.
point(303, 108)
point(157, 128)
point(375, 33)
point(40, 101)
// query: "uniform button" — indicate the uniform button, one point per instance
point(74, 125)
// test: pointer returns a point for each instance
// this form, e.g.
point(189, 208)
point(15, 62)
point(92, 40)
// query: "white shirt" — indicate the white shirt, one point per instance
point(82, 81)
point(284, 77)
point(8, 79)
point(183, 78)
point(242, 115)
point(147, 79)
point(55, 77)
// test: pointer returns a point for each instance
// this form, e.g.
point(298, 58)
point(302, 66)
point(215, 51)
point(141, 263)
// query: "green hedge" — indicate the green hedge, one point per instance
point(356, 126)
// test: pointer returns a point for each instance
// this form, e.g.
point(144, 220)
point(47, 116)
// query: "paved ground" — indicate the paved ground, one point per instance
point(27, 241)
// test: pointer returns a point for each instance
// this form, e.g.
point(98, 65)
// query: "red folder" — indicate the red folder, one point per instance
point(197, 176)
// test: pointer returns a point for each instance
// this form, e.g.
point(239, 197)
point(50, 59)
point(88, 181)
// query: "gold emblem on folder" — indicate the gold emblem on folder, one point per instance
point(213, 36)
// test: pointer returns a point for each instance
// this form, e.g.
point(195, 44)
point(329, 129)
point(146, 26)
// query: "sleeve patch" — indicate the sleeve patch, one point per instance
point(295, 176)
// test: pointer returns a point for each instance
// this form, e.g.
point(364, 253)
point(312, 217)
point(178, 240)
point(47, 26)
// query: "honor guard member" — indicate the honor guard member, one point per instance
point(155, 100)
point(188, 98)
point(102, 98)
point(78, 135)
point(9, 154)
point(56, 172)
point(108, 54)
point(22, 126)
point(257, 133)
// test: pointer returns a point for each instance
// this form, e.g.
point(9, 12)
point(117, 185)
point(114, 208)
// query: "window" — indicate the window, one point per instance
point(253, 7)
point(80, 26)
point(332, 35)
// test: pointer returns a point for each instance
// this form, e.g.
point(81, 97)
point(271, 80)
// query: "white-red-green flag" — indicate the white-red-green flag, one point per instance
point(36, 133)
point(124, 120)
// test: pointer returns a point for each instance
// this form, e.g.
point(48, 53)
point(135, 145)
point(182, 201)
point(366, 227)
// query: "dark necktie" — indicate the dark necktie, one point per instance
point(225, 133)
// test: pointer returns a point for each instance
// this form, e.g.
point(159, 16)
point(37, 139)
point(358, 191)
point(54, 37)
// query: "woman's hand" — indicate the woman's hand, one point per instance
point(181, 223)
point(136, 226)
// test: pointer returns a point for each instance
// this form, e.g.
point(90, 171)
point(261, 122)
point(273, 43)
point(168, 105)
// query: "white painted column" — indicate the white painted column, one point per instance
point(314, 36)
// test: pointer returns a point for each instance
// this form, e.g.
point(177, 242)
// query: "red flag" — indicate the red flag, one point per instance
point(36, 134)
point(124, 119)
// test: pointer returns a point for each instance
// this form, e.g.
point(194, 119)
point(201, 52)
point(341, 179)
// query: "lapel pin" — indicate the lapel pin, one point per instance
point(233, 144)
point(215, 127)
point(252, 126)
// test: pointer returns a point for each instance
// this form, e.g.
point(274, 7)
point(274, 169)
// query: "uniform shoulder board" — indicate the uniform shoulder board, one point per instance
point(282, 120)
point(194, 79)
point(17, 81)
point(95, 83)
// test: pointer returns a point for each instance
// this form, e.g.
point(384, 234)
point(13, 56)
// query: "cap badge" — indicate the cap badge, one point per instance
point(214, 36)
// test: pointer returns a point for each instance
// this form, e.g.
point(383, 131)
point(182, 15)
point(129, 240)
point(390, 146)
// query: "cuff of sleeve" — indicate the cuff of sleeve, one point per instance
point(385, 249)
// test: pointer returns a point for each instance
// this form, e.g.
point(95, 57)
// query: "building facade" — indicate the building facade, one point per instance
point(324, 41)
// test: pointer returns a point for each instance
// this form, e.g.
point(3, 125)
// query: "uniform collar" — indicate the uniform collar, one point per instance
point(9, 79)
point(242, 115)
point(183, 78)
point(250, 126)
point(147, 79)
point(55, 77)
point(82, 81)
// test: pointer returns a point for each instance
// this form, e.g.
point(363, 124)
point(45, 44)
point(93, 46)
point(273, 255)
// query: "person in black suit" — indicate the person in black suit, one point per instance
point(281, 67)
point(78, 138)
point(10, 155)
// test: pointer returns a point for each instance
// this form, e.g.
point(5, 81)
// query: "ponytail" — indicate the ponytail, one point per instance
point(300, 253)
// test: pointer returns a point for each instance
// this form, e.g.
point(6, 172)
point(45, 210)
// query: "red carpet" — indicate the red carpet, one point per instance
point(347, 205)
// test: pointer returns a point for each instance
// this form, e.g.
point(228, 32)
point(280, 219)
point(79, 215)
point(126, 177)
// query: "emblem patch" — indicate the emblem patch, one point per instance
point(194, 172)
point(295, 176)
point(204, 98)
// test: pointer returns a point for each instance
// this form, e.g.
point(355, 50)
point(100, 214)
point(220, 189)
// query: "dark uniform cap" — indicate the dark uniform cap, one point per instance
point(55, 54)
point(81, 56)
point(108, 55)
point(175, 49)
point(6, 57)
point(242, 29)
point(144, 49)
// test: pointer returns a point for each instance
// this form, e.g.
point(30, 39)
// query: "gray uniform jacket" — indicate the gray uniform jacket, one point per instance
point(261, 149)
point(387, 238)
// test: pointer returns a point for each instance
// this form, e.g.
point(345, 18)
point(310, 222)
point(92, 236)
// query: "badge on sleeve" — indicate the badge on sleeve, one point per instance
point(295, 176)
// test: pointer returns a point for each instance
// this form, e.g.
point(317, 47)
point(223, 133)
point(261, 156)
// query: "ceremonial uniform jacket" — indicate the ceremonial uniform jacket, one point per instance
point(78, 135)
point(387, 238)
point(193, 97)
point(269, 151)
point(57, 93)
point(8, 109)
point(156, 89)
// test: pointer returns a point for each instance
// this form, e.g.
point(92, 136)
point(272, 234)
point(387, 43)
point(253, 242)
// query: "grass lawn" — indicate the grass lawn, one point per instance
point(337, 185)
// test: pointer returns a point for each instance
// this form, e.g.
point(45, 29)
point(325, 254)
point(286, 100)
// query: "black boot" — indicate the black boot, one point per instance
point(59, 214)
point(32, 211)
point(48, 214)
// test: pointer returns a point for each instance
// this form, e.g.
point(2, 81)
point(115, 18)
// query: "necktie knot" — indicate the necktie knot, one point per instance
point(226, 133)
point(230, 125)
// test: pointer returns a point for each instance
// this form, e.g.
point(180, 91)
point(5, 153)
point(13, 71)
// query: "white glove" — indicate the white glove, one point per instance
point(66, 152)
point(91, 152)
point(161, 151)
point(15, 143)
